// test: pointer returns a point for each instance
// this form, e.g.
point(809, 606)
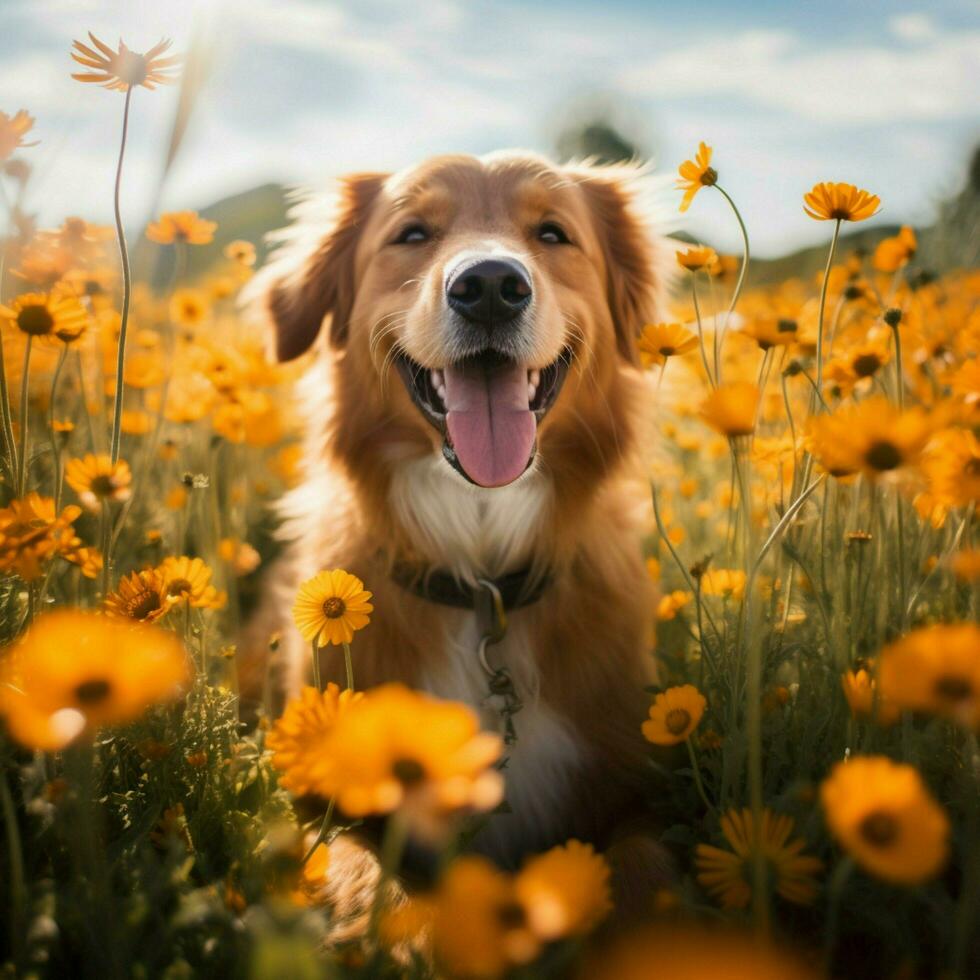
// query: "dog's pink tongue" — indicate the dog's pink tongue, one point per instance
point(489, 421)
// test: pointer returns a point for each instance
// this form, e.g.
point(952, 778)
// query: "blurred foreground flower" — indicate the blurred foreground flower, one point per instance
point(12, 132)
point(696, 257)
point(74, 672)
point(299, 735)
point(122, 69)
point(839, 202)
point(727, 874)
point(32, 532)
point(935, 670)
point(486, 921)
point(54, 315)
point(181, 226)
point(731, 409)
point(881, 812)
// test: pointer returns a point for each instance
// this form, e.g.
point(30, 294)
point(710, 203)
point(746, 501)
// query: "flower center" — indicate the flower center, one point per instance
point(408, 772)
point(677, 720)
point(131, 67)
point(972, 468)
point(146, 605)
point(883, 456)
point(92, 692)
point(103, 485)
point(879, 829)
point(866, 365)
point(953, 688)
point(179, 587)
point(35, 320)
point(511, 915)
point(334, 607)
point(667, 350)
point(841, 214)
point(709, 177)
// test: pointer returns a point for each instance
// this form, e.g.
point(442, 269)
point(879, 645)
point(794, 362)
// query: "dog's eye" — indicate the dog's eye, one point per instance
point(412, 235)
point(553, 234)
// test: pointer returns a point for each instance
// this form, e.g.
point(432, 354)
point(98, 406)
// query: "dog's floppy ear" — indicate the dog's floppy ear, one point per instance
point(312, 276)
point(636, 273)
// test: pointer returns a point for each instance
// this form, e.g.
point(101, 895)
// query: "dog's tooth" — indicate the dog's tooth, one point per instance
point(534, 377)
point(436, 376)
point(532, 390)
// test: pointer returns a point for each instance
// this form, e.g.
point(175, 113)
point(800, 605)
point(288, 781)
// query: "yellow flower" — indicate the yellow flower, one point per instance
point(696, 257)
point(31, 533)
point(695, 174)
point(860, 690)
point(674, 715)
point(135, 423)
point(892, 253)
point(839, 202)
point(144, 370)
point(330, 606)
point(88, 560)
point(402, 749)
point(692, 953)
point(181, 226)
point(564, 892)
point(729, 583)
point(76, 671)
point(122, 69)
point(189, 307)
point(966, 564)
point(297, 738)
point(241, 252)
point(141, 596)
point(239, 554)
point(54, 315)
point(882, 814)
point(952, 467)
point(866, 359)
point(731, 409)
point(480, 930)
point(771, 331)
point(12, 131)
point(935, 669)
point(189, 580)
point(728, 875)
point(672, 603)
point(95, 479)
point(659, 341)
point(873, 436)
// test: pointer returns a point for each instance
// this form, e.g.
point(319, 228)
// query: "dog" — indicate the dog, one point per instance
point(473, 414)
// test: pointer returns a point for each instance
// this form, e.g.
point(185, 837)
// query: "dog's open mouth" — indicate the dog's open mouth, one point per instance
point(487, 408)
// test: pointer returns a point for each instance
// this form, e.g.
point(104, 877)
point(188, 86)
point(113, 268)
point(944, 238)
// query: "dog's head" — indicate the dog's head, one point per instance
point(504, 292)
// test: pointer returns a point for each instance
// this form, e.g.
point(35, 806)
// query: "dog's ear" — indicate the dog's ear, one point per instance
point(312, 276)
point(636, 273)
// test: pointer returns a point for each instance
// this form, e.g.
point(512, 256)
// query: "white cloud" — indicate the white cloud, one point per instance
point(838, 83)
point(912, 27)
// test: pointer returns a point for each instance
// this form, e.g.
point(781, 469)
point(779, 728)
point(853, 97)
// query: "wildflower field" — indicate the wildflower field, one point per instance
point(814, 482)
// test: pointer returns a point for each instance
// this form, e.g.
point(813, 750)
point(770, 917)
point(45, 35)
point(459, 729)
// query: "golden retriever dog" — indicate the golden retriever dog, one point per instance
point(472, 418)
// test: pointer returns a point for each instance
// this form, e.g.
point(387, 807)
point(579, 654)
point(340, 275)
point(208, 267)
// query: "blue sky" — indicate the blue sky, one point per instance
point(882, 94)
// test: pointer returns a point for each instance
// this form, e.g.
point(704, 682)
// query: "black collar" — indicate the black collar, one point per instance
point(518, 588)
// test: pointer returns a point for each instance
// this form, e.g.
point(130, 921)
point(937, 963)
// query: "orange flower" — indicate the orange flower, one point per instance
point(696, 258)
point(122, 69)
point(839, 202)
point(181, 226)
point(695, 174)
point(12, 130)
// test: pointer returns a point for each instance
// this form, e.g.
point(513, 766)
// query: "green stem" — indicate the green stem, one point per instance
point(15, 852)
point(22, 475)
point(10, 444)
point(697, 314)
point(55, 450)
point(899, 373)
point(349, 667)
point(696, 769)
point(321, 834)
point(823, 304)
point(745, 260)
point(127, 289)
point(316, 664)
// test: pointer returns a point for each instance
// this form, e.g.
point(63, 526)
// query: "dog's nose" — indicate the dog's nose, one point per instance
point(489, 291)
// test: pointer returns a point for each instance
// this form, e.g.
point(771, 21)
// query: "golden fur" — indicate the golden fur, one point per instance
point(377, 491)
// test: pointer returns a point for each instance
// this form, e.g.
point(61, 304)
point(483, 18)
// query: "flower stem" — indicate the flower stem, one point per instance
point(321, 834)
point(22, 475)
point(316, 664)
point(349, 666)
point(745, 261)
point(899, 373)
point(697, 314)
point(55, 450)
point(696, 769)
point(823, 304)
point(127, 288)
point(10, 444)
